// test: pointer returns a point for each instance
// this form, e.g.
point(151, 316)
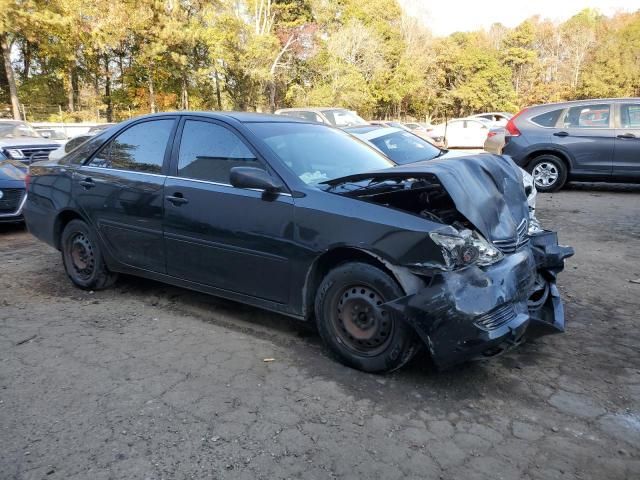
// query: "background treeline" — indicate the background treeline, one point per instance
point(110, 59)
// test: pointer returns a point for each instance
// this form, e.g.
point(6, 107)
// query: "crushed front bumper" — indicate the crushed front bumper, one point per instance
point(478, 312)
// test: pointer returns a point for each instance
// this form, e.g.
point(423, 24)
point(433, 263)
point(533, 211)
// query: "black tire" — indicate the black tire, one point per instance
point(549, 173)
point(83, 259)
point(367, 338)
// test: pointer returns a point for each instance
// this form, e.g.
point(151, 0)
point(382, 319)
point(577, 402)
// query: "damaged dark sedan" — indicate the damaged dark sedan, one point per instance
point(303, 219)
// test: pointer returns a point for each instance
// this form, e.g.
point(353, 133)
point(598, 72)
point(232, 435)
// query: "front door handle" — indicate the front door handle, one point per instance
point(561, 134)
point(177, 199)
point(87, 183)
point(627, 135)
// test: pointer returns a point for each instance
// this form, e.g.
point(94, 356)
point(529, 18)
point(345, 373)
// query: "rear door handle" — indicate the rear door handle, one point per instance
point(561, 134)
point(627, 135)
point(177, 199)
point(87, 183)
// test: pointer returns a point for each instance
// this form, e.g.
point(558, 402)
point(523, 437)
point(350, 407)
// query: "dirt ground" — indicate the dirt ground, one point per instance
point(149, 381)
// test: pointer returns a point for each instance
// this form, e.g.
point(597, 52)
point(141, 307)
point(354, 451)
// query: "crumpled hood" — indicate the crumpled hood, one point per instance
point(486, 189)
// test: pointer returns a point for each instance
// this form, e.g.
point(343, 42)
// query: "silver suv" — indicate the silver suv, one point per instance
point(589, 140)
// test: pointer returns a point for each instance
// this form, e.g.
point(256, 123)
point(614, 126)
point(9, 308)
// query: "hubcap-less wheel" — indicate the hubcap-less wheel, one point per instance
point(82, 256)
point(545, 174)
point(359, 321)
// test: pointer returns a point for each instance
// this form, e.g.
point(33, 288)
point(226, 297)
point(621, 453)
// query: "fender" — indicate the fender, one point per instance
point(531, 151)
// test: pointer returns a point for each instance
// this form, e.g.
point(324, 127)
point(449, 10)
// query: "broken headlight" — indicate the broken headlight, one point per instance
point(464, 249)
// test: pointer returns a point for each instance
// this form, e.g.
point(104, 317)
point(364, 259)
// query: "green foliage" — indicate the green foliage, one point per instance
point(119, 58)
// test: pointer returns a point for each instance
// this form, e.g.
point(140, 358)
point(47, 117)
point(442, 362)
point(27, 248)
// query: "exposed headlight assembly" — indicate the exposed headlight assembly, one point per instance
point(467, 248)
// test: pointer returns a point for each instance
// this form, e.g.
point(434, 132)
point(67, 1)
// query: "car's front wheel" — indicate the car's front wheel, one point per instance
point(82, 258)
point(354, 327)
point(549, 173)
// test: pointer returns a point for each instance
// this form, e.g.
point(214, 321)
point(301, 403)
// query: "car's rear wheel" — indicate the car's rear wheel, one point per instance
point(82, 258)
point(354, 327)
point(549, 173)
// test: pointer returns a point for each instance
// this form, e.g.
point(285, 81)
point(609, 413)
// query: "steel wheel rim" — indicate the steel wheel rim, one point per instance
point(545, 174)
point(81, 255)
point(359, 322)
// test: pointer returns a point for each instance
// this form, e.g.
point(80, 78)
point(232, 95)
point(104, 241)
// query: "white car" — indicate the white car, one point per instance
point(464, 132)
point(497, 119)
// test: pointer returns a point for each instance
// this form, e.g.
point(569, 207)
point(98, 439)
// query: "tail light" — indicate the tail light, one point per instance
point(27, 181)
point(491, 134)
point(511, 128)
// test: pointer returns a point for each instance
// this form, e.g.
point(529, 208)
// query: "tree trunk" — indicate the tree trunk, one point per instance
point(11, 79)
point(218, 96)
point(271, 86)
point(26, 57)
point(107, 89)
point(152, 93)
point(184, 94)
point(75, 88)
point(70, 92)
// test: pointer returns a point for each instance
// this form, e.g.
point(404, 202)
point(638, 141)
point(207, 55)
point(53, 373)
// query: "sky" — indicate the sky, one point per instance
point(447, 16)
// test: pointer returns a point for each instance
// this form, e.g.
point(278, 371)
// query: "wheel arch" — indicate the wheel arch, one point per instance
point(562, 155)
point(408, 282)
point(61, 221)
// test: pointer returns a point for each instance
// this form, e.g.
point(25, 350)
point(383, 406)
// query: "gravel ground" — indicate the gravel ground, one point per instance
point(150, 381)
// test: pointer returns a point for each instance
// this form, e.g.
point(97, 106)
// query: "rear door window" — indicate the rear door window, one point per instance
point(630, 115)
point(140, 148)
point(548, 119)
point(588, 116)
point(209, 151)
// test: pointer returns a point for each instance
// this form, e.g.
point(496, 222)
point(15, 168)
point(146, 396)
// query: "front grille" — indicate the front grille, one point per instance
point(10, 201)
point(513, 244)
point(496, 317)
point(35, 154)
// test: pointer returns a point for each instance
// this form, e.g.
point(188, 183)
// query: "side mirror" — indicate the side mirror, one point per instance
point(251, 177)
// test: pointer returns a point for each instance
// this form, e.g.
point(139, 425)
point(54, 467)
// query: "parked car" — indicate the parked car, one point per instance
point(51, 133)
point(304, 219)
point(463, 132)
point(75, 142)
point(588, 140)
point(495, 140)
point(337, 117)
point(497, 119)
point(12, 190)
point(404, 147)
point(19, 141)
point(399, 144)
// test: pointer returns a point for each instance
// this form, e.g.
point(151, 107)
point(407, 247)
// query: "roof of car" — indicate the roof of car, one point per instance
point(587, 100)
point(310, 109)
point(243, 117)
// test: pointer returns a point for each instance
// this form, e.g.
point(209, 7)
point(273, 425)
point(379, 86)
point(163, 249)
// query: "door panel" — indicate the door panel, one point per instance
point(215, 234)
point(229, 238)
point(126, 209)
point(626, 162)
point(125, 206)
point(586, 131)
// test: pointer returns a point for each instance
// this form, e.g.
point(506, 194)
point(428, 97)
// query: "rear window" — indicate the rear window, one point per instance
point(630, 115)
point(587, 116)
point(548, 119)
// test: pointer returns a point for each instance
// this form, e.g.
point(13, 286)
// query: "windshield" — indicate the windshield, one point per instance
point(17, 129)
point(344, 118)
point(405, 147)
point(316, 153)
